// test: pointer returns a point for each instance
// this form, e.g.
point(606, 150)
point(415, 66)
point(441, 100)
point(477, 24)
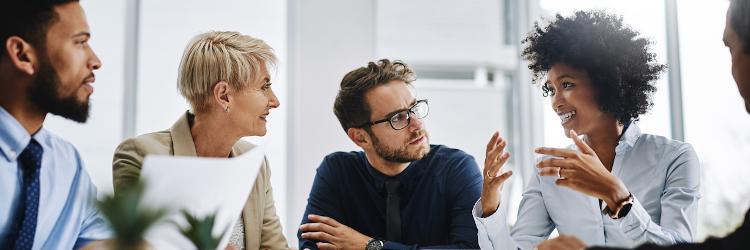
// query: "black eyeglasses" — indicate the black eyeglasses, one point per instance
point(400, 119)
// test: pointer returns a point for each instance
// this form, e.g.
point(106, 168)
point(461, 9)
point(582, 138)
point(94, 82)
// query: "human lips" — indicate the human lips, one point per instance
point(565, 117)
point(417, 140)
point(87, 83)
point(265, 115)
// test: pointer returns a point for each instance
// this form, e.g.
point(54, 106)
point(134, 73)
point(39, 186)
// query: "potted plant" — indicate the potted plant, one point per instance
point(128, 220)
point(199, 230)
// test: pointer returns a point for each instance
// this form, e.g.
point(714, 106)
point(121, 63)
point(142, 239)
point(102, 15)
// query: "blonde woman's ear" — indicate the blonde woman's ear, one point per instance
point(221, 94)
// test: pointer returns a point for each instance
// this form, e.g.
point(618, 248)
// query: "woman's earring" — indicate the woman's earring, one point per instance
point(226, 109)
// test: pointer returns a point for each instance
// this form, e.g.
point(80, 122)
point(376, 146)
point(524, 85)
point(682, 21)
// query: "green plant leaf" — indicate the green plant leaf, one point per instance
point(127, 220)
point(198, 231)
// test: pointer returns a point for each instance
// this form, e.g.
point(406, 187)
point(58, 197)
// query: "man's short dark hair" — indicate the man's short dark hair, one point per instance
point(620, 65)
point(739, 20)
point(350, 106)
point(28, 19)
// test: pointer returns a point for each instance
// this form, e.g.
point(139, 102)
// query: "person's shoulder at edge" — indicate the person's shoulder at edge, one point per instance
point(660, 141)
point(446, 156)
point(665, 147)
point(443, 152)
point(343, 161)
point(57, 147)
point(60, 146)
point(150, 143)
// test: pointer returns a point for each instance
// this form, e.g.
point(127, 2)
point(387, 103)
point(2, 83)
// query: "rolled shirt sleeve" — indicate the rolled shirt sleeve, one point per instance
point(532, 226)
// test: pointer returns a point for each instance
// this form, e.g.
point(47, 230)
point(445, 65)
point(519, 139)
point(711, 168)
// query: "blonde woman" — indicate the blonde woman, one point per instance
point(224, 76)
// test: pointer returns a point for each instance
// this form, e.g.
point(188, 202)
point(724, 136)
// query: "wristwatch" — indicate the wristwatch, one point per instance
point(374, 244)
point(622, 209)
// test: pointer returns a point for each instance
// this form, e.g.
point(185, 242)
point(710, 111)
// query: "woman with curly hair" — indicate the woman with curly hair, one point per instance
point(616, 186)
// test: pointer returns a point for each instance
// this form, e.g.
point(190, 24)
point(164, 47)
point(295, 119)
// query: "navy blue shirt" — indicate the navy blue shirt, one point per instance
point(437, 194)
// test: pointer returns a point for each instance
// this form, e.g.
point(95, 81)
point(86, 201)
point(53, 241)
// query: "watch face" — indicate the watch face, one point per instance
point(624, 210)
point(374, 245)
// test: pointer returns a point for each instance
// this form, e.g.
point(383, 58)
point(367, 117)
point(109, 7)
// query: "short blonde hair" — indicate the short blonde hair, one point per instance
point(218, 56)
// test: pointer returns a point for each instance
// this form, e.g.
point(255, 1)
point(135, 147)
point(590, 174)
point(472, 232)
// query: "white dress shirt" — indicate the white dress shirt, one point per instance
point(663, 176)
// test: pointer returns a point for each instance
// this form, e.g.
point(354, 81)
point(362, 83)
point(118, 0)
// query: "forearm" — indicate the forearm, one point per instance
point(493, 231)
point(641, 228)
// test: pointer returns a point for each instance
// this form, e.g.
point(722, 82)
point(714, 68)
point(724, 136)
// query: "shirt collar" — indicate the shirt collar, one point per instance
point(13, 136)
point(629, 137)
point(414, 170)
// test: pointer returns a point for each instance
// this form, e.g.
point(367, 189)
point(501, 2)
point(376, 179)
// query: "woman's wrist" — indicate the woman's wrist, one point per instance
point(617, 194)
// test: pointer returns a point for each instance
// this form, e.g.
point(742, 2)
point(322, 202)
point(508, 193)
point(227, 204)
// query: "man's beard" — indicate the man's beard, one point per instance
point(400, 155)
point(44, 92)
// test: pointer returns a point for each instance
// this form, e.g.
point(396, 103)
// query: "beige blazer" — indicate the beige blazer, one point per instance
point(262, 226)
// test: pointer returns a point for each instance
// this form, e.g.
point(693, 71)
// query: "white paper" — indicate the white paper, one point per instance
point(202, 186)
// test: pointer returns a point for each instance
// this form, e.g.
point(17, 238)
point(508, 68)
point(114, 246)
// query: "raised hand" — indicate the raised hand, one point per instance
point(494, 178)
point(581, 170)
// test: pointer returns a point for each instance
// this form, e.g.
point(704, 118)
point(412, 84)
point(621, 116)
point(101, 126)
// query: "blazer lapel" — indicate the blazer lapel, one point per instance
point(252, 216)
point(182, 139)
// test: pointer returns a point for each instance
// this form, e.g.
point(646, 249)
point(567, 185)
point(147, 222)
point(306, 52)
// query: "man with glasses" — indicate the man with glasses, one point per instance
point(400, 191)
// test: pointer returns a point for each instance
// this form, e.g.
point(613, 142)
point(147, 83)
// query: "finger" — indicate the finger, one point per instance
point(319, 236)
point(559, 152)
point(323, 219)
point(503, 158)
point(565, 183)
point(582, 146)
point(498, 163)
point(496, 150)
point(502, 178)
point(325, 246)
point(549, 171)
point(317, 227)
point(501, 143)
point(493, 141)
point(567, 173)
point(493, 151)
point(555, 162)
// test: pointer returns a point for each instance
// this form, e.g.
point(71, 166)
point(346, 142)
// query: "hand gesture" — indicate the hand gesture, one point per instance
point(581, 170)
point(494, 178)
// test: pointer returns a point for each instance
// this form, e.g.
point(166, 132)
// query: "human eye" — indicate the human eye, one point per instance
point(266, 86)
point(399, 117)
point(567, 85)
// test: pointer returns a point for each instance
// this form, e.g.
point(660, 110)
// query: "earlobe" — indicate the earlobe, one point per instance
point(21, 54)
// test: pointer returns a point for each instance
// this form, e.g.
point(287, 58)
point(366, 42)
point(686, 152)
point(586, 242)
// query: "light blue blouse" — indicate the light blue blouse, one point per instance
point(663, 176)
